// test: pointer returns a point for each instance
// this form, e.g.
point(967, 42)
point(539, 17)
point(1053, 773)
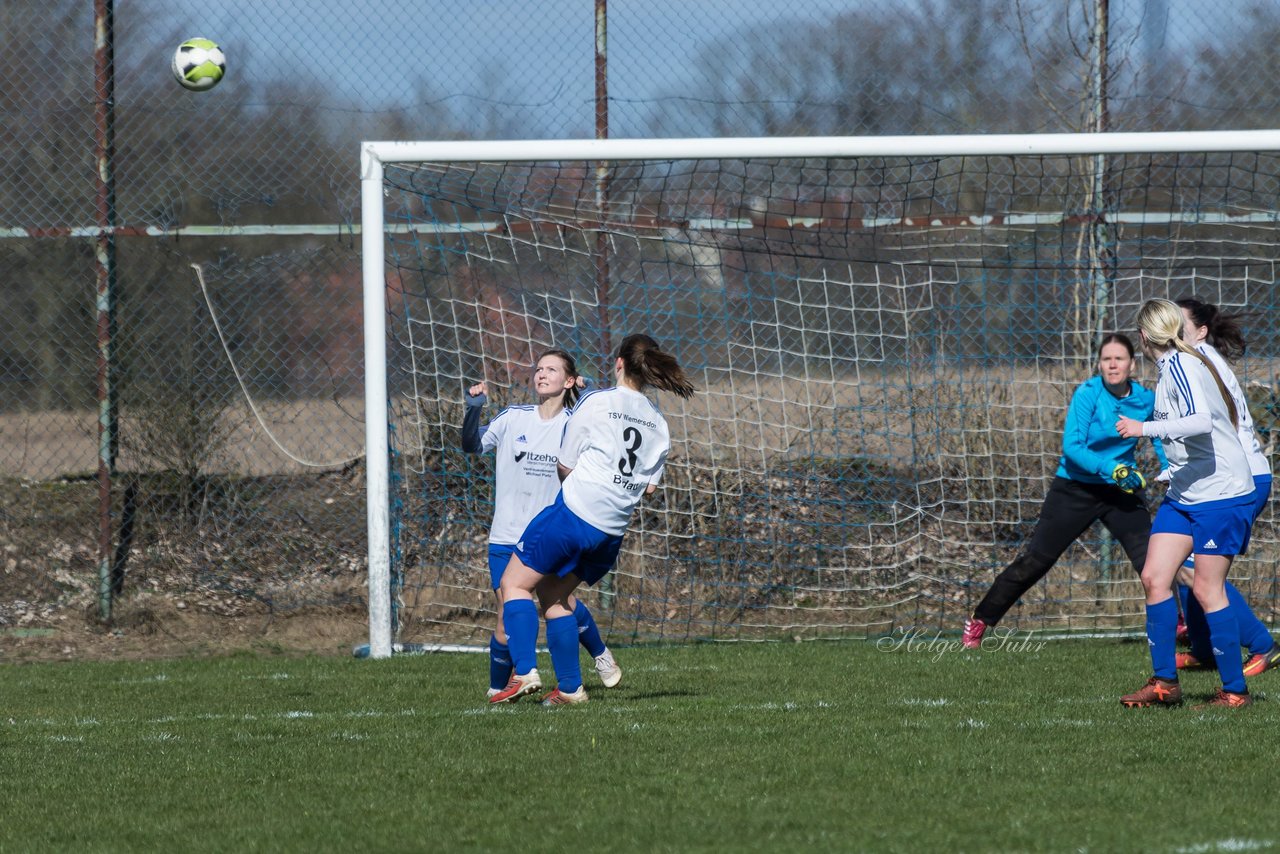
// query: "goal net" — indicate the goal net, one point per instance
point(884, 333)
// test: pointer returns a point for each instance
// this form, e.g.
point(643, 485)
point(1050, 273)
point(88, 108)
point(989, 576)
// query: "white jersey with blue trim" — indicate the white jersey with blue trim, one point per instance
point(526, 448)
point(1259, 463)
point(1206, 460)
point(616, 444)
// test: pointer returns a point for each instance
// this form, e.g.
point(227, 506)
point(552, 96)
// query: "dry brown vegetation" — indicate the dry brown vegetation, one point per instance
point(794, 510)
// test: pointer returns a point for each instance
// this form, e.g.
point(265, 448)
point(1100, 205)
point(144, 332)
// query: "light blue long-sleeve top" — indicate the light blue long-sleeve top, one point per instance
point(1091, 447)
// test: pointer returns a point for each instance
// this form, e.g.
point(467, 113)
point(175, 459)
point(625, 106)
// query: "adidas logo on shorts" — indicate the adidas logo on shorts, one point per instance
point(1210, 544)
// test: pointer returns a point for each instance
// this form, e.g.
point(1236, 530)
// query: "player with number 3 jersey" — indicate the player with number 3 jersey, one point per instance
point(615, 448)
point(612, 455)
point(526, 443)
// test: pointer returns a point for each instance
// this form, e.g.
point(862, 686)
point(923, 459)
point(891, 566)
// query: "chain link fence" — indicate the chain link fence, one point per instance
point(180, 448)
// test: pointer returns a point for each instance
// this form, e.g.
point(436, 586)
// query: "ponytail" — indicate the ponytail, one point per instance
point(1224, 330)
point(646, 363)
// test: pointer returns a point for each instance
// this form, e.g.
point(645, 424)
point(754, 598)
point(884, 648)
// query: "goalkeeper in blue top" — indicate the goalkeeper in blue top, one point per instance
point(526, 442)
point(1097, 481)
point(612, 455)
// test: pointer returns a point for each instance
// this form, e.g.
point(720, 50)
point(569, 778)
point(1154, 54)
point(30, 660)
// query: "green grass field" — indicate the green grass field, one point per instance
point(851, 746)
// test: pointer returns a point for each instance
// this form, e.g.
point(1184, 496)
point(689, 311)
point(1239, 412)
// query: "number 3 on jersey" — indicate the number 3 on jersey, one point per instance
point(631, 436)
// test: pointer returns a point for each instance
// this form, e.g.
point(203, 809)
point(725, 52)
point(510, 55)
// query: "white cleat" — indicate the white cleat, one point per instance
point(560, 698)
point(607, 669)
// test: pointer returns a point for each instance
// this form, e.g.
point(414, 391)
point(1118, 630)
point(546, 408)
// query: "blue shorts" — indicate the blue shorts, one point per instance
point(499, 557)
point(1215, 527)
point(558, 543)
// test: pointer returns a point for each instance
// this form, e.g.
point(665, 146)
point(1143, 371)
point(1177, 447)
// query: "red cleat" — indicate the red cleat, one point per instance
point(974, 629)
point(519, 686)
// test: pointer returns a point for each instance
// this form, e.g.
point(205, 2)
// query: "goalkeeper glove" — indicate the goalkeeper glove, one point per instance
point(1128, 479)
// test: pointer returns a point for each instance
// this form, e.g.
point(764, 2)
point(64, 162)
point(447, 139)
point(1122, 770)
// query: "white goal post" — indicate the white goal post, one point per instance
point(807, 209)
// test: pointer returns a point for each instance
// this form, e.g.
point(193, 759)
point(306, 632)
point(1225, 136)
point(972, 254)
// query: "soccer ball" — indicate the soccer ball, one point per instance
point(198, 64)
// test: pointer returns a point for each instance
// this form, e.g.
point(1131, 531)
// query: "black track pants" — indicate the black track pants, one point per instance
point(1068, 511)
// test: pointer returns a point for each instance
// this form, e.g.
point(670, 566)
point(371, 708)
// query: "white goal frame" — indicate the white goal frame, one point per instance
point(373, 156)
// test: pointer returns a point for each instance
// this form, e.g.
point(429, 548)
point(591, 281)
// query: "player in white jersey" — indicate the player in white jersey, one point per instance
point(612, 455)
point(1218, 337)
point(526, 442)
point(1207, 511)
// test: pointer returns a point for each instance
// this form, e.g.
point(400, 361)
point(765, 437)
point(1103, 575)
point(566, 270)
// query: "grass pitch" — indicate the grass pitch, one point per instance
point(908, 744)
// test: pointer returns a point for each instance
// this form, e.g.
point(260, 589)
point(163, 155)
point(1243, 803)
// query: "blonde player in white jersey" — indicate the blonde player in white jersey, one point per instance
point(525, 440)
point(612, 455)
point(1207, 511)
point(1218, 337)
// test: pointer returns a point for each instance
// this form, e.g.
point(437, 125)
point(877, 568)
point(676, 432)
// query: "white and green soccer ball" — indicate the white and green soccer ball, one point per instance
point(199, 64)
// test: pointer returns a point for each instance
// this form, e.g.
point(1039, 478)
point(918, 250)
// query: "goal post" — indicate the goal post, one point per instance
point(885, 332)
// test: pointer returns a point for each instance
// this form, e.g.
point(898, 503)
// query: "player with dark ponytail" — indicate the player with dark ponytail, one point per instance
point(650, 366)
point(612, 455)
point(1218, 337)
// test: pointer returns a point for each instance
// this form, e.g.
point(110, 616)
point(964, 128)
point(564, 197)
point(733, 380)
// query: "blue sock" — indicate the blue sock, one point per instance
point(1162, 626)
point(1226, 648)
point(1253, 634)
point(588, 631)
point(499, 664)
point(520, 618)
point(1197, 628)
point(562, 640)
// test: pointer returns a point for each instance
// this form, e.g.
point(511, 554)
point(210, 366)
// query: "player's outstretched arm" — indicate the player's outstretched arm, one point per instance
point(475, 401)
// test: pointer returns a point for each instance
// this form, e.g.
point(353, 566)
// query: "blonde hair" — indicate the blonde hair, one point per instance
point(1161, 323)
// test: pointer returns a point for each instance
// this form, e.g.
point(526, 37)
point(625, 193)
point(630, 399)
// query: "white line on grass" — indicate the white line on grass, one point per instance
point(145, 680)
point(1056, 722)
point(781, 707)
point(1227, 845)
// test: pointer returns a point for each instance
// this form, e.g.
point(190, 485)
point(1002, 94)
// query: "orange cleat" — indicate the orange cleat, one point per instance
point(1187, 661)
point(1227, 700)
point(1262, 662)
point(1157, 692)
